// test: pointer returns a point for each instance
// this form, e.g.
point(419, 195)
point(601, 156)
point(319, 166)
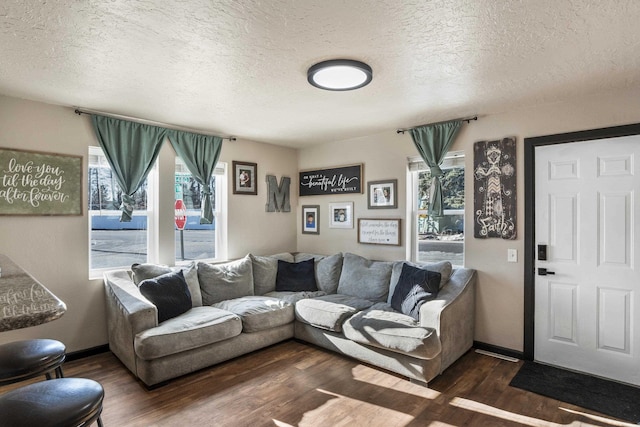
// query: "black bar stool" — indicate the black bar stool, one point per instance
point(21, 360)
point(68, 402)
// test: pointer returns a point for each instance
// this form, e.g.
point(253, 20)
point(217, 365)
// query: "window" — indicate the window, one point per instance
point(115, 244)
point(198, 241)
point(438, 239)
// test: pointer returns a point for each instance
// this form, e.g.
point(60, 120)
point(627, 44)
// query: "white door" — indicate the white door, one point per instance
point(587, 211)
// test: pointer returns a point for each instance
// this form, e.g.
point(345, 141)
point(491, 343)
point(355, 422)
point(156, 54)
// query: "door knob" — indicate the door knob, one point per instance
point(544, 272)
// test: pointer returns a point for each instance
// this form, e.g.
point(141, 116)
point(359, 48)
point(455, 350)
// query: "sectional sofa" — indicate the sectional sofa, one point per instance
point(414, 320)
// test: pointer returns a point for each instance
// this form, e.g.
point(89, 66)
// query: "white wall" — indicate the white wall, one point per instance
point(55, 249)
point(500, 291)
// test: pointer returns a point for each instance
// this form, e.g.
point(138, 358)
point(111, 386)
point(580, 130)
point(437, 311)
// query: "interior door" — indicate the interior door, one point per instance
point(587, 227)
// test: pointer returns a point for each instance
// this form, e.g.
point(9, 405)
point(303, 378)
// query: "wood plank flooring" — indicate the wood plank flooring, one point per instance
point(296, 384)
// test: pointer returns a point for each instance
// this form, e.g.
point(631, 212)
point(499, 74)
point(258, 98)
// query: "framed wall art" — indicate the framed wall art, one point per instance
point(245, 176)
point(311, 219)
point(382, 194)
point(378, 231)
point(494, 202)
point(38, 183)
point(338, 180)
point(341, 215)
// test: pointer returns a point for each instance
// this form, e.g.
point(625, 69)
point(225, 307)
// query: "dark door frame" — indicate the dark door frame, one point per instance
point(530, 145)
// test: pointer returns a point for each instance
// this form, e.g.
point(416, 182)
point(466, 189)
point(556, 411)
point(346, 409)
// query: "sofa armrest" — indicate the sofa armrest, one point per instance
point(452, 315)
point(128, 313)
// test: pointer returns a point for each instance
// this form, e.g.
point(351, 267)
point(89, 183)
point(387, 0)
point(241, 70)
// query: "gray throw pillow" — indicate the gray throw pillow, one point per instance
point(220, 282)
point(328, 271)
point(364, 278)
point(191, 277)
point(148, 271)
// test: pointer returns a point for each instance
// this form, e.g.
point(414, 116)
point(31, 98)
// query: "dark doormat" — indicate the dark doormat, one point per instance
point(607, 397)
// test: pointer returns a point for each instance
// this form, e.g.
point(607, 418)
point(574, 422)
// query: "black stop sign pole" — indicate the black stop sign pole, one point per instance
point(182, 243)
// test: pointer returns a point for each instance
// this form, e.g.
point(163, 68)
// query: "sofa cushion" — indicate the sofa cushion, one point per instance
point(265, 269)
point(219, 282)
point(328, 269)
point(380, 326)
point(141, 272)
point(364, 278)
point(258, 312)
point(145, 271)
point(197, 327)
point(415, 287)
point(329, 311)
point(294, 297)
point(296, 276)
point(169, 293)
point(443, 267)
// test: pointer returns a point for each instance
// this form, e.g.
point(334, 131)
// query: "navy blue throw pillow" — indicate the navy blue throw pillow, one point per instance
point(296, 276)
point(169, 293)
point(415, 287)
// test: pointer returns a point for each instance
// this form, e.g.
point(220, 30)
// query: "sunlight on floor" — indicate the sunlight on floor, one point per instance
point(363, 374)
point(471, 405)
point(599, 418)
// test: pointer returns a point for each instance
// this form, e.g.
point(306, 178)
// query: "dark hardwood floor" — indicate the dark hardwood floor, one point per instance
point(296, 384)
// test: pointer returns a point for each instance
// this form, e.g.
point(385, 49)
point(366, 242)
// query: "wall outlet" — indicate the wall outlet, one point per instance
point(512, 255)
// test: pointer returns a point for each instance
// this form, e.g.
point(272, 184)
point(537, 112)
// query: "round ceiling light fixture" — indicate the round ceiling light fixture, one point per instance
point(340, 74)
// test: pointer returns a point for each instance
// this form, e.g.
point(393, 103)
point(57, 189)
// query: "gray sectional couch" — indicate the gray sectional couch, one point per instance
point(343, 302)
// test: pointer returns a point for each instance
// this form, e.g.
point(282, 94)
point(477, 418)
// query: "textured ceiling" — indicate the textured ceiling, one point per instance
point(238, 67)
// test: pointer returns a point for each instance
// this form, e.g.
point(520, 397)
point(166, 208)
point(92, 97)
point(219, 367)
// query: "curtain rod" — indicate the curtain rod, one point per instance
point(466, 119)
point(80, 112)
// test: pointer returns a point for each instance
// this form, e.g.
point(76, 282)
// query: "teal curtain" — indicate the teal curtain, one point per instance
point(131, 150)
point(200, 153)
point(433, 143)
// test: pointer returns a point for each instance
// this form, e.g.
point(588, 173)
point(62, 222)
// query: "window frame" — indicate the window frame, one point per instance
point(219, 213)
point(152, 208)
point(415, 166)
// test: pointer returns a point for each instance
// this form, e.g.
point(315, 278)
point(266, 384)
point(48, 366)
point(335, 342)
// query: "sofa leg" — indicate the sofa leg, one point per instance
point(418, 382)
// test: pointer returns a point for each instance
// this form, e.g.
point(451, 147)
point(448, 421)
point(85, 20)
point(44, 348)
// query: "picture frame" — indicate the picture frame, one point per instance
point(341, 215)
point(382, 194)
point(311, 219)
point(380, 231)
point(245, 176)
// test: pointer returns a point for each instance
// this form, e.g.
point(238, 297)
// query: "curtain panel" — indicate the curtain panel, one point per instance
point(433, 143)
point(200, 153)
point(131, 150)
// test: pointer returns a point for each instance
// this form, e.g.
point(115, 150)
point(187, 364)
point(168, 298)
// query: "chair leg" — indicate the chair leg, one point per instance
point(59, 373)
point(100, 422)
point(47, 376)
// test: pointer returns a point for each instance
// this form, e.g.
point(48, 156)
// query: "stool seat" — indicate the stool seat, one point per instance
point(21, 360)
point(68, 402)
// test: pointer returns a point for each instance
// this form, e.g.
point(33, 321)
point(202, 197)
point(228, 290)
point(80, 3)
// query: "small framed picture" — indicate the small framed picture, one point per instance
point(311, 219)
point(341, 215)
point(244, 178)
point(382, 194)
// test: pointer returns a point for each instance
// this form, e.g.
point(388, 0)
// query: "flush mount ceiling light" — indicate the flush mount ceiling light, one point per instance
point(340, 74)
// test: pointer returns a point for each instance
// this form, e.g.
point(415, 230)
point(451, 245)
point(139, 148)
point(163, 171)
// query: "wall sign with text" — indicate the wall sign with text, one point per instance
point(37, 183)
point(377, 231)
point(341, 180)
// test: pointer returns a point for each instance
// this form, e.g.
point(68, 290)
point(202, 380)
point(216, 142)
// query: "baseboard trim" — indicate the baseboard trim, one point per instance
point(498, 350)
point(81, 354)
